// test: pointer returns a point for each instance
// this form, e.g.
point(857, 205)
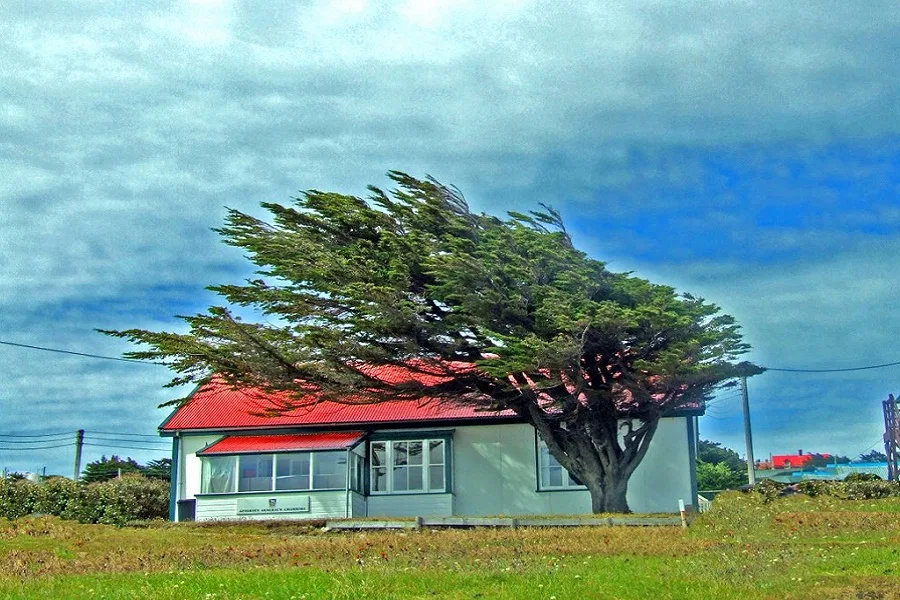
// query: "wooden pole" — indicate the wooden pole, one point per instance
point(748, 436)
point(79, 444)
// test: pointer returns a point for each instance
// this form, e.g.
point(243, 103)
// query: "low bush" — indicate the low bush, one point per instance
point(850, 489)
point(17, 498)
point(114, 502)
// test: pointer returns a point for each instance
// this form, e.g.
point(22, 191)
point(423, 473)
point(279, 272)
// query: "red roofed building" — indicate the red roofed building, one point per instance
point(795, 461)
point(239, 454)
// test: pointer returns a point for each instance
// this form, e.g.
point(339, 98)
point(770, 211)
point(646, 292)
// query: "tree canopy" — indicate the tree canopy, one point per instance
point(412, 278)
point(719, 468)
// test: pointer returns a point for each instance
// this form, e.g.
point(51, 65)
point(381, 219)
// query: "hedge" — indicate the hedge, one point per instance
point(852, 488)
point(113, 502)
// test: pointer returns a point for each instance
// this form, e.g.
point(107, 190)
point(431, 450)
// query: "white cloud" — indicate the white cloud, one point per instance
point(125, 128)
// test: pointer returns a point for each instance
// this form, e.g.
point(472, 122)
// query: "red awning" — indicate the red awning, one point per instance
point(295, 442)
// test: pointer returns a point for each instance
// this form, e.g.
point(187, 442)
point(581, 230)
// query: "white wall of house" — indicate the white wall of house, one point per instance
point(494, 473)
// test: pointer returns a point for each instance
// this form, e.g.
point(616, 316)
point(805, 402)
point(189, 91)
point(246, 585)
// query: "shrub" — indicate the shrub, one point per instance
point(116, 502)
point(867, 490)
point(54, 494)
point(17, 497)
point(768, 489)
point(862, 477)
point(132, 498)
point(815, 487)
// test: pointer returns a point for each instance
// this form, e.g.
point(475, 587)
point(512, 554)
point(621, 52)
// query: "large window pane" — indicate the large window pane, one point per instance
point(436, 476)
point(400, 453)
point(379, 480)
point(414, 450)
point(416, 479)
point(292, 471)
point(436, 452)
point(329, 470)
point(255, 473)
point(218, 475)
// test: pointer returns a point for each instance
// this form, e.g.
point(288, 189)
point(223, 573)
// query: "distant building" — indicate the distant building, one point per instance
point(794, 461)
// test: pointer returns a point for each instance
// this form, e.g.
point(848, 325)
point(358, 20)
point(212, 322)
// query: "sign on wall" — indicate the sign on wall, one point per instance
point(268, 505)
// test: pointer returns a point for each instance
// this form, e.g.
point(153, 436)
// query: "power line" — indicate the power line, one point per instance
point(20, 449)
point(122, 447)
point(92, 438)
point(33, 442)
point(151, 435)
point(131, 360)
point(36, 435)
point(890, 364)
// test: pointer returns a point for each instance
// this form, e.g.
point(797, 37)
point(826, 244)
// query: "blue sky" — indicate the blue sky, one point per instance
point(748, 154)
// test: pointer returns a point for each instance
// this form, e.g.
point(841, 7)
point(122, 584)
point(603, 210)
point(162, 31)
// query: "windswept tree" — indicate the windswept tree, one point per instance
point(503, 313)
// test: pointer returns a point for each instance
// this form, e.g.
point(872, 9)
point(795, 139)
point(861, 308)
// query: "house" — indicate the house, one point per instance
point(236, 455)
point(794, 461)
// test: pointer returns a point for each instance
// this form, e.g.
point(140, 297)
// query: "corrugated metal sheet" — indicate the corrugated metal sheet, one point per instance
point(217, 406)
point(332, 440)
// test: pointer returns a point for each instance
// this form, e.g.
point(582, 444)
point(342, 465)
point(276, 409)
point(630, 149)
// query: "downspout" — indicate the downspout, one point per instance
point(692, 432)
point(173, 478)
point(347, 486)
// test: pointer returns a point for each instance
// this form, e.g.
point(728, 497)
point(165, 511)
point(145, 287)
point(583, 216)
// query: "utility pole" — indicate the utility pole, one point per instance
point(79, 444)
point(748, 436)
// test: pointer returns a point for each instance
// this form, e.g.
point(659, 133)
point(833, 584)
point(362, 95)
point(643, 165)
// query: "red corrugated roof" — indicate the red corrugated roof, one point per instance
point(216, 406)
point(237, 444)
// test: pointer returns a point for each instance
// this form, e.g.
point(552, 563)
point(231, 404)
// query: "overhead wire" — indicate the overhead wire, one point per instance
point(36, 435)
point(92, 432)
point(85, 354)
point(20, 449)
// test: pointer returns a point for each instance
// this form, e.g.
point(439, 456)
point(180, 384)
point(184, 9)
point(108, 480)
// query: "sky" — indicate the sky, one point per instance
point(745, 152)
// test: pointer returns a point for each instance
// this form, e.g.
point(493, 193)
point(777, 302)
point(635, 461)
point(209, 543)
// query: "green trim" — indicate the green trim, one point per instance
point(173, 479)
point(401, 436)
point(692, 458)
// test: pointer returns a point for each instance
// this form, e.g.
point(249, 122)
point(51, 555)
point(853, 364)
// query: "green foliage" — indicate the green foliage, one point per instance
point(158, 469)
point(114, 502)
point(108, 468)
point(714, 453)
point(862, 477)
point(17, 498)
point(873, 456)
point(132, 498)
point(719, 468)
point(852, 488)
point(718, 476)
point(413, 279)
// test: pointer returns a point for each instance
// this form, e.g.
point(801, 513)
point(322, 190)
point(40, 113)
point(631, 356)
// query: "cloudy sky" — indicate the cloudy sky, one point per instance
point(745, 152)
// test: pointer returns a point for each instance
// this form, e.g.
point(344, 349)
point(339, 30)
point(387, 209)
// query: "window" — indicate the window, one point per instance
point(286, 471)
point(293, 471)
point(552, 475)
point(255, 473)
point(408, 466)
point(218, 474)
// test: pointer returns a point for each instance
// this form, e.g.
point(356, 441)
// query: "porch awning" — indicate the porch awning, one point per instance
point(294, 442)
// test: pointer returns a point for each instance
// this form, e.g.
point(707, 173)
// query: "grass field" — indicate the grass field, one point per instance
point(795, 547)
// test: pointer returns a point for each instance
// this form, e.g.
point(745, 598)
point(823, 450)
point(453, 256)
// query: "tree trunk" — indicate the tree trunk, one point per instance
point(608, 495)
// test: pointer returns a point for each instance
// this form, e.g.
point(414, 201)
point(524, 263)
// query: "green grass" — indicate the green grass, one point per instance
point(797, 547)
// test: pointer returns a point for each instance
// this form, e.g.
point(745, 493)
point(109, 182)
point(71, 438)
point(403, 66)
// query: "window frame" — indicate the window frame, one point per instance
point(236, 472)
point(568, 485)
point(423, 437)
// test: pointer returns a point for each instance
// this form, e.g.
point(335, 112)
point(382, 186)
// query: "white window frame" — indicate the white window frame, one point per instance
point(426, 466)
point(542, 456)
